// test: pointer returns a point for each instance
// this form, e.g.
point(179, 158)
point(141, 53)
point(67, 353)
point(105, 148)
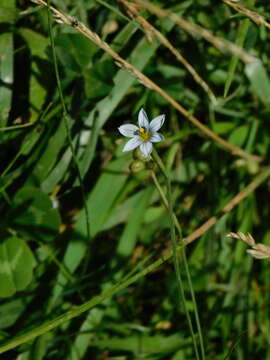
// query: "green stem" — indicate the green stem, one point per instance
point(16, 127)
point(179, 230)
point(193, 298)
point(173, 220)
point(165, 202)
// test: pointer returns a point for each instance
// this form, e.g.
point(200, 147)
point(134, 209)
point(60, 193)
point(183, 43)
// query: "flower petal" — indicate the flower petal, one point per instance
point(128, 129)
point(156, 123)
point(143, 119)
point(146, 148)
point(132, 144)
point(156, 137)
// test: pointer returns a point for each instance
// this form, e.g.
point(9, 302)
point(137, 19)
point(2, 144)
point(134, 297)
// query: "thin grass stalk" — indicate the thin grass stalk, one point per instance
point(194, 302)
point(193, 298)
point(173, 222)
point(66, 116)
point(16, 127)
point(183, 253)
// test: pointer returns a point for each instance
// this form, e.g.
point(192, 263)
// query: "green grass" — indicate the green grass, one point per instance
point(100, 262)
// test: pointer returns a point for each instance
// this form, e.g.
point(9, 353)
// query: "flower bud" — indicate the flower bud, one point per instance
point(253, 167)
point(138, 155)
point(136, 166)
point(250, 166)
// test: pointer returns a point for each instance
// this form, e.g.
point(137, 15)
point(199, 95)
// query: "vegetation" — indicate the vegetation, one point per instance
point(106, 254)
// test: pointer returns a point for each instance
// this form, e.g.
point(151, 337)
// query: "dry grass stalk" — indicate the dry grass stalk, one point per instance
point(199, 31)
point(133, 12)
point(249, 189)
point(151, 31)
point(258, 251)
point(252, 15)
point(80, 27)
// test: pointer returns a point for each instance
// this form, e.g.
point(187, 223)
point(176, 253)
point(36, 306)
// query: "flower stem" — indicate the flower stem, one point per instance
point(174, 223)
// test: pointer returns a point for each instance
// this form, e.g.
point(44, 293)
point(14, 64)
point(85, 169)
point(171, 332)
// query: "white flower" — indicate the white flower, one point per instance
point(143, 135)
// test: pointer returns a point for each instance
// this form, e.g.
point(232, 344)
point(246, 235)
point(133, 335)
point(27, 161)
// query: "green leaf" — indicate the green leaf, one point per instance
point(80, 50)
point(169, 71)
point(104, 195)
point(239, 135)
point(122, 211)
point(57, 173)
point(34, 214)
point(86, 333)
point(10, 312)
point(37, 43)
point(72, 258)
point(8, 12)
point(98, 79)
point(41, 72)
point(6, 75)
point(49, 156)
point(259, 80)
point(131, 232)
point(222, 127)
point(157, 344)
point(16, 266)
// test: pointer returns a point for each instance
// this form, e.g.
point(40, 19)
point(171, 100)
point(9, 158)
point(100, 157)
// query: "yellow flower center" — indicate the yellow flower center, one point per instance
point(143, 134)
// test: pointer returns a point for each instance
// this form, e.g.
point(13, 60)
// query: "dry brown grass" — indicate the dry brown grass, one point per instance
point(198, 31)
point(151, 31)
point(252, 15)
point(258, 250)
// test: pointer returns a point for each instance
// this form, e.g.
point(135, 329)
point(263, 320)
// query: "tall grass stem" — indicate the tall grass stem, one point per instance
point(172, 217)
